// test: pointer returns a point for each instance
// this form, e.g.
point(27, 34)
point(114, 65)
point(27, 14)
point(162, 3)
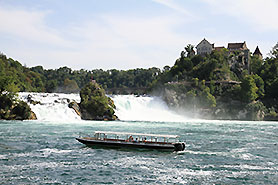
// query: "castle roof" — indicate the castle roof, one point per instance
point(237, 46)
point(219, 48)
point(257, 51)
point(204, 40)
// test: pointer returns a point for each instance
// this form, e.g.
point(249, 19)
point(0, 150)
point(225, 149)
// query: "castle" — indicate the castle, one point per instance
point(204, 47)
point(239, 61)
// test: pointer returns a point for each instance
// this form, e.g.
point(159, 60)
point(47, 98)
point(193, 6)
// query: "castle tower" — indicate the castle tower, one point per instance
point(258, 53)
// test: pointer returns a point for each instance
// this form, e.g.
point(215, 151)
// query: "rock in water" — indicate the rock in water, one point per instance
point(75, 107)
point(31, 101)
point(13, 109)
point(32, 116)
point(95, 105)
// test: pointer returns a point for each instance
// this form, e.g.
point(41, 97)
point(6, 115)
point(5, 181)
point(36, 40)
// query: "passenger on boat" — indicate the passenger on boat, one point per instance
point(130, 138)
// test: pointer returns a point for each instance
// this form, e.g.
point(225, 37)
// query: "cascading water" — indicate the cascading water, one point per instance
point(54, 107)
point(133, 108)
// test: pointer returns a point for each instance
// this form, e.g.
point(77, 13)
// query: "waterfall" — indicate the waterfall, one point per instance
point(54, 107)
point(133, 108)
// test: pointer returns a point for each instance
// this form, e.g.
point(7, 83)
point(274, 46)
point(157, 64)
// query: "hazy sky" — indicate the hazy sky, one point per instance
point(127, 34)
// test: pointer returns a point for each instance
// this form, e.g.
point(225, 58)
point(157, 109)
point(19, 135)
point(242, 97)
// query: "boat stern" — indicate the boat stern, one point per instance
point(179, 146)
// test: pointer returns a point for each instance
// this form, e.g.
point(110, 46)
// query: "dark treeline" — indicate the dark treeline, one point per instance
point(67, 80)
point(37, 79)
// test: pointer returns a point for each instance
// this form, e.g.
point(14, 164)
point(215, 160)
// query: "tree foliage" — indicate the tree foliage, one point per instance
point(249, 89)
point(274, 51)
point(95, 104)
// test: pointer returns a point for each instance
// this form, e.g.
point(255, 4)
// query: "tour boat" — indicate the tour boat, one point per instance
point(136, 140)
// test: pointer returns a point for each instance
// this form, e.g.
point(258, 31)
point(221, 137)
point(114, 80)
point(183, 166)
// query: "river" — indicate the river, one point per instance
point(45, 151)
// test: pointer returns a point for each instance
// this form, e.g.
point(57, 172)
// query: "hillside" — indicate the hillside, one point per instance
point(222, 85)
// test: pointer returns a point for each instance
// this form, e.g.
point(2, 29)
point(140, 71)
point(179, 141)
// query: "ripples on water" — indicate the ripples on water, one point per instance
point(221, 152)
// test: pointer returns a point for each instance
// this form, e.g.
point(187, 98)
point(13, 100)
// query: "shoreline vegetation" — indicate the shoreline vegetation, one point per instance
point(218, 85)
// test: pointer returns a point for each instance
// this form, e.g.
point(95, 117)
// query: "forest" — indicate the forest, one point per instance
point(66, 80)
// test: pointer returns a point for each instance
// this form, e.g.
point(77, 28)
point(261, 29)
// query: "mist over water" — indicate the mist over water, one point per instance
point(132, 108)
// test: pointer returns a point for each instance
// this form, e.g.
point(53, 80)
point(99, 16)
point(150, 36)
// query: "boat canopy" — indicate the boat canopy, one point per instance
point(136, 134)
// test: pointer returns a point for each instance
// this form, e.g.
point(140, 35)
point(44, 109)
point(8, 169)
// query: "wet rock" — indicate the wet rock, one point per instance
point(31, 101)
point(74, 105)
point(29, 98)
point(32, 116)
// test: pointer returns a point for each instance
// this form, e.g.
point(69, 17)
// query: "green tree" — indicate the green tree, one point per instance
point(51, 85)
point(248, 89)
point(255, 64)
point(274, 51)
point(189, 50)
point(260, 85)
point(206, 99)
point(70, 86)
point(272, 89)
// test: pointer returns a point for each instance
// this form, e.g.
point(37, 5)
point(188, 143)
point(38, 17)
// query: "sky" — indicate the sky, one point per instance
point(128, 34)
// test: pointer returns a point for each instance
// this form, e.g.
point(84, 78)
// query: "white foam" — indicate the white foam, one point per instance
point(53, 106)
point(202, 153)
point(132, 108)
point(48, 151)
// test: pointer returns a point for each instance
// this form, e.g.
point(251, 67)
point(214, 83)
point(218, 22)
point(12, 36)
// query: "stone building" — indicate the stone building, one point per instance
point(237, 46)
point(204, 47)
point(242, 57)
point(240, 54)
point(241, 48)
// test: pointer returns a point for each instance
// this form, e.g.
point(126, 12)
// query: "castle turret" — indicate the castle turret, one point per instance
point(258, 53)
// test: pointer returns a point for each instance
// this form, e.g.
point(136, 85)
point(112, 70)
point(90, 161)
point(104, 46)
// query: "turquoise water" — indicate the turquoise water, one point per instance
point(217, 152)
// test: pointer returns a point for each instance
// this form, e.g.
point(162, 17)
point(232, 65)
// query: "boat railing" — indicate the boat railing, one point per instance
point(129, 137)
point(134, 141)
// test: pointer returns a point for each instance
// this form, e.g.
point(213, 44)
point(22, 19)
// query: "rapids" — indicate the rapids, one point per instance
point(54, 107)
